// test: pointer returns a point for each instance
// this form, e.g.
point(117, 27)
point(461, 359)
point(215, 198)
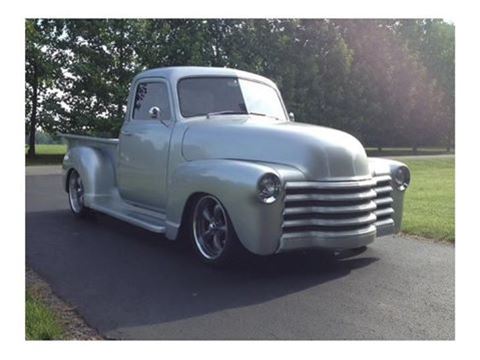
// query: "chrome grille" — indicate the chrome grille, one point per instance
point(383, 200)
point(336, 207)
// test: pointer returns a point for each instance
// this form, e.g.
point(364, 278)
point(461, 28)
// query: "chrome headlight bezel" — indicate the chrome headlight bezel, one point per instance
point(269, 188)
point(401, 177)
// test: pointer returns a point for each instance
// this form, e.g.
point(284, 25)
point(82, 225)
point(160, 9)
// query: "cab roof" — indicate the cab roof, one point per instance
point(175, 73)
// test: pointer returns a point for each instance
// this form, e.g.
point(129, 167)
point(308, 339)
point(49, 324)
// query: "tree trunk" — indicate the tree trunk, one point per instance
point(121, 72)
point(33, 115)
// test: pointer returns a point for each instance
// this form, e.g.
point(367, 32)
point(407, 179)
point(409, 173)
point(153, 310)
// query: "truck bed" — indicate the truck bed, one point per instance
point(109, 145)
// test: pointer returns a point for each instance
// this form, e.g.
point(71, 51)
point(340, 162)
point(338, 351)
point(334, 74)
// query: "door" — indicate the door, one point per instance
point(144, 145)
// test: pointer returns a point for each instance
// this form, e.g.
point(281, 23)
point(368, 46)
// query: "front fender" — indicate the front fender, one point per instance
point(234, 183)
point(96, 169)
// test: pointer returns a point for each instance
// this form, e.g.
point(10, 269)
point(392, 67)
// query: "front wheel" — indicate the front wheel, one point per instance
point(214, 238)
point(76, 193)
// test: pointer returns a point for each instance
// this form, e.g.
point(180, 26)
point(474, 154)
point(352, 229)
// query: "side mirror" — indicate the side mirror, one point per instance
point(291, 116)
point(154, 112)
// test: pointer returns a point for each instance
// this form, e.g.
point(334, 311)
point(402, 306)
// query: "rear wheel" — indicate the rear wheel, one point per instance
point(212, 232)
point(76, 193)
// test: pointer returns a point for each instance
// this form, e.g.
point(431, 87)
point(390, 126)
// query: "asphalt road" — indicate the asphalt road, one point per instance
point(131, 284)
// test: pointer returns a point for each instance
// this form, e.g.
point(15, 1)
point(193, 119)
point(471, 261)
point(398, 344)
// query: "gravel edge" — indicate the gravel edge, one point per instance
point(425, 239)
point(73, 325)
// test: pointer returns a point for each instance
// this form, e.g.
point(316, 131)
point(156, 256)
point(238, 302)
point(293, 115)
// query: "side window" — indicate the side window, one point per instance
point(148, 95)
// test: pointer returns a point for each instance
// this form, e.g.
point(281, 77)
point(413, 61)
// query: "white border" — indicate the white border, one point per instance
point(13, 199)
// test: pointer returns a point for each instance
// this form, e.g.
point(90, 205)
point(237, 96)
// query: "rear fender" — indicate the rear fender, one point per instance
point(96, 169)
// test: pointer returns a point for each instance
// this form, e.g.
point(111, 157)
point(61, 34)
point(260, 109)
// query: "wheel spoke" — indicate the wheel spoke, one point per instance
point(222, 229)
point(206, 214)
point(217, 242)
point(218, 214)
point(208, 233)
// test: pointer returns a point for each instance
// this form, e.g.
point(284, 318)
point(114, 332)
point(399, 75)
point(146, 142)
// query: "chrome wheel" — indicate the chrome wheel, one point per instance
point(210, 227)
point(75, 192)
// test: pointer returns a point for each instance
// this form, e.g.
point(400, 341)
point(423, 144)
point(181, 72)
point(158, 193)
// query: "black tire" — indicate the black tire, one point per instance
point(76, 195)
point(208, 247)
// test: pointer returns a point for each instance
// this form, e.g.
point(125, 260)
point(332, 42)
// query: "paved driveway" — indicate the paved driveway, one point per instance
point(132, 284)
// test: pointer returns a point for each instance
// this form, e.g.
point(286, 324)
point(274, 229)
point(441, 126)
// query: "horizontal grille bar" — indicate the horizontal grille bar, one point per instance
point(384, 201)
point(329, 233)
point(331, 185)
point(384, 212)
point(382, 178)
point(364, 195)
point(367, 219)
point(383, 189)
point(384, 222)
point(330, 209)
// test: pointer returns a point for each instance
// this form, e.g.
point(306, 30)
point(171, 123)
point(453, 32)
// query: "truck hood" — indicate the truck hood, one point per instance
point(321, 153)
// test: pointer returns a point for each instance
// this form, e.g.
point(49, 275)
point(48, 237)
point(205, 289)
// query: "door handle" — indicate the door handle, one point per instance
point(126, 133)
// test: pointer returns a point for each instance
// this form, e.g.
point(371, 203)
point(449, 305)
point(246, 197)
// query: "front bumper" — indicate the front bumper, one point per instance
point(336, 240)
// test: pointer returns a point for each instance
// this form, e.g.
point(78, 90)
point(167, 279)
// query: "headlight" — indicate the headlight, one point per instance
point(269, 188)
point(401, 177)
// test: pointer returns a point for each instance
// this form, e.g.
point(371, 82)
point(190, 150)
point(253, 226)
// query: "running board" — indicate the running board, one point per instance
point(114, 206)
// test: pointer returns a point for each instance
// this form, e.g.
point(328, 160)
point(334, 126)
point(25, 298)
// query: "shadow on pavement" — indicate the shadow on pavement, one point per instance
point(120, 276)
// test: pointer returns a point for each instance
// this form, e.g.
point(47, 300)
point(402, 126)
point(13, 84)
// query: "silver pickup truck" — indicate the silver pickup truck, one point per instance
point(211, 155)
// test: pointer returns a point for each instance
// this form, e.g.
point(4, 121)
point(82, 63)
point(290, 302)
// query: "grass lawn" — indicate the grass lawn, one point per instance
point(429, 208)
point(402, 151)
point(52, 149)
point(40, 322)
point(47, 154)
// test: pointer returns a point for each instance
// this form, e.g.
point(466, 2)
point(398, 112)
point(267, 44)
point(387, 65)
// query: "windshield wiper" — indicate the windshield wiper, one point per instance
point(227, 112)
point(235, 112)
point(260, 114)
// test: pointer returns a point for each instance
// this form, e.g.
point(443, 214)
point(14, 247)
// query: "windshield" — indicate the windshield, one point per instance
point(227, 95)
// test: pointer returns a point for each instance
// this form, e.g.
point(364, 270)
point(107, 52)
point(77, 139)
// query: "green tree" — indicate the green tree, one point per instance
point(44, 60)
point(433, 41)
point(102, 63)
point(391, 93)
point(389, 82)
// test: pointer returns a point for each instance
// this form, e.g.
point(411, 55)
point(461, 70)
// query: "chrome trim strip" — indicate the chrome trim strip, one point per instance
point(330, 185)
point(367, 219)
point(382, 178)
point(366, 195)
point(383, 189)
point(384, 212)
point(331, 234)
point(370, 206)
point(383, 201)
